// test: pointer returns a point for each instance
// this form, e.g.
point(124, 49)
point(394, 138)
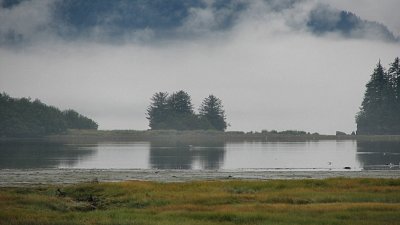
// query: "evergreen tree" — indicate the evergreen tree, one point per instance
point(212, 110)
point(176, 112)
point(158, 111)
point(377, 112)
point(394, 77)
point(180, 103)
point(180, 112)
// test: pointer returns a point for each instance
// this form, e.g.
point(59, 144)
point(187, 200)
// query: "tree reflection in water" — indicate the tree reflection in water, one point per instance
point(378, 154)
point(202, 155)
point(40, 154)
point(181, 155)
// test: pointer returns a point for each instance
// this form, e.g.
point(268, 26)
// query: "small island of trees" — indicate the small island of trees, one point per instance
point(380, 109)
point(175, 112)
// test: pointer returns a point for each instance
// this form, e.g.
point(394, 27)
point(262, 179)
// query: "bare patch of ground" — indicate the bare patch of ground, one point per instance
point(32, 177)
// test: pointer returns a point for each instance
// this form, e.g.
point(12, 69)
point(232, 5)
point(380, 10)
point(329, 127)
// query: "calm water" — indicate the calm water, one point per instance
point(315, 155)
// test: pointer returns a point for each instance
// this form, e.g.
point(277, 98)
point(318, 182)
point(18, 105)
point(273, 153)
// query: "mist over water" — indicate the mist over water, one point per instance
point(269, 70)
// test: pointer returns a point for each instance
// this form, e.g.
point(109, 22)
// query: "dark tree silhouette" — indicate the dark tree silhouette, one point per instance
point(180, 103)
point(212, 110)
point(176, 112)
point(394, 77)
point(157, 112)
point(74, 120)
point(23, 117)
point(380, 111)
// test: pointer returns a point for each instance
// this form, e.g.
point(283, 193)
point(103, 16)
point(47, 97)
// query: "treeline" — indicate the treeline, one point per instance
point(380, 109)
point(176, 112)
point(287, 132)
point(25, 118)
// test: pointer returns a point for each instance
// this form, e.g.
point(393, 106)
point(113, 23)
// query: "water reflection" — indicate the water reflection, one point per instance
point(379, 154)
point(311, 155)
point(27, 155)
point(116, 155)
point(186, 156)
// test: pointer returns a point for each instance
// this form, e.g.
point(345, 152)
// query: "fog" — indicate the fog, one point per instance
point(268, 73)
point(385, 11)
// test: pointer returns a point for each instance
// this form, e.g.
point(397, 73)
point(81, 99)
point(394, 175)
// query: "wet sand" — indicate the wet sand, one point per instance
point(18, 177)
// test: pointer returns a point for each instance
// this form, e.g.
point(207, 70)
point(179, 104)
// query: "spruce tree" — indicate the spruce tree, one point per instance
point(180, 103)
point(181, 115)
point(212, 110)
point(375, 113)
point(378, 112)
point(157, 112)
point(394, 77)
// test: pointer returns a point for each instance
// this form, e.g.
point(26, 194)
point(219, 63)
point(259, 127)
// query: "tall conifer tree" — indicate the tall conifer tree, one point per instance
point(180, 103)
point(157, 112)
point(379, 112)
point(371, 117)
point(394, 76)
point(212, 110)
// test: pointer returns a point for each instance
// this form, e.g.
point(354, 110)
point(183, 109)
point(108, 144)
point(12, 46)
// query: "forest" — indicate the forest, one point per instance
point(176, 112)
point(22, 117)
point(380, 110)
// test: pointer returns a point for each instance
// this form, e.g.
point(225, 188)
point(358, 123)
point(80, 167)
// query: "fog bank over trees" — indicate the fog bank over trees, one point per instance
point(276, 64)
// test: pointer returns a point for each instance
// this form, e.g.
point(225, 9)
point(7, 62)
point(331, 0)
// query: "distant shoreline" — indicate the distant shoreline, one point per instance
point(192, 136)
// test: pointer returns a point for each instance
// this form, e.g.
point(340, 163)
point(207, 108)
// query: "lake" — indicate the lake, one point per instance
point(309, 155)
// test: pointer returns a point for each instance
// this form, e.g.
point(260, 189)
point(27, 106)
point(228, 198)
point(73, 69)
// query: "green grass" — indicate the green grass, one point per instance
point(331, 201)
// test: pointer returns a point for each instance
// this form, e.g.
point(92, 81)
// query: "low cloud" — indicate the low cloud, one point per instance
point(385, 12)
point(29, 19)
point(268, 69)
point(126, 21)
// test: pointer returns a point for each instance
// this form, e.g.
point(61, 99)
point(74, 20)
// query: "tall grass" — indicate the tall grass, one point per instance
point(331, 201)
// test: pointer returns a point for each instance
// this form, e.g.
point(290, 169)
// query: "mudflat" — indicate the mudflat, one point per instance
point(33, 177)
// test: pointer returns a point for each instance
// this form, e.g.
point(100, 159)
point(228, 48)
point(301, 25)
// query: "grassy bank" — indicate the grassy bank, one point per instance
point(204, 136)
point(184, 136)
point(195, 137)
point(331, 201)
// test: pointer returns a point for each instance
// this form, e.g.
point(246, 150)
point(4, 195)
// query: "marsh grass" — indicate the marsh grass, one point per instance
point(174, 137)
point(331, 201)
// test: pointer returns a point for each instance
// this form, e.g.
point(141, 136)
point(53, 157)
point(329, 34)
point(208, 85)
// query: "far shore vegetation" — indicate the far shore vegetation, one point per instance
point(174, 115)
point(22, 117)
point(194, 137)
point(365, 201)
point(176, 112)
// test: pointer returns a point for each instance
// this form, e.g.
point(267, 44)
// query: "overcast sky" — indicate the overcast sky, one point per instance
point(268, 74)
